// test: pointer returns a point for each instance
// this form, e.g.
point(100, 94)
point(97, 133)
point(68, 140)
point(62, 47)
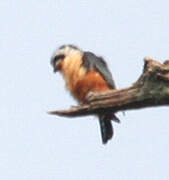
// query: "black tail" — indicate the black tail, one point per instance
point(106, 126)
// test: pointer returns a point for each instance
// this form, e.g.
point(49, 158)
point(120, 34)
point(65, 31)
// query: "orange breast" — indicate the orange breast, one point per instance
point(92, 81)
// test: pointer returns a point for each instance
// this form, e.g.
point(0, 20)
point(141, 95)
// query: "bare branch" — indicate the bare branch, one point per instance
point(150, 90)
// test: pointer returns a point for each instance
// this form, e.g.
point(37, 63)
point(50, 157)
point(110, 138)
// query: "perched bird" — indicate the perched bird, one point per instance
point(85, 72)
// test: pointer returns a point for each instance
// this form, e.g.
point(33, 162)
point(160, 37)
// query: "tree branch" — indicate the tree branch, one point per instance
point(150, 90)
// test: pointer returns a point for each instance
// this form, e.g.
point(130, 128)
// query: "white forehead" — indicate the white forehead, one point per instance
point(67, 50)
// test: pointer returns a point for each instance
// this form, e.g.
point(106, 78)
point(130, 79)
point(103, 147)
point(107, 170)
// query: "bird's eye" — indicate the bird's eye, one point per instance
point(59, 57)
point(56, 61)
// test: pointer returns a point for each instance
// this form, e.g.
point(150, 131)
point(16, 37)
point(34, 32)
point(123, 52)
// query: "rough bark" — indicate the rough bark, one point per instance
point(150, 90)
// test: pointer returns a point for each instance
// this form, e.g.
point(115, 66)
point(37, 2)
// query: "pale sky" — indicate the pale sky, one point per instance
point(38, 146)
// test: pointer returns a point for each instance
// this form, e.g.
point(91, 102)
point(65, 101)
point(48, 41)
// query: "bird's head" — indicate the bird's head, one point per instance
point(60, 55)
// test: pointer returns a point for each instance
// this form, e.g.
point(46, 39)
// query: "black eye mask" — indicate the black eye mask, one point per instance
point(56, 60)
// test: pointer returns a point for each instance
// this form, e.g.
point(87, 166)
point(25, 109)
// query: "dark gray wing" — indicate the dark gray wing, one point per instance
point(93, 62)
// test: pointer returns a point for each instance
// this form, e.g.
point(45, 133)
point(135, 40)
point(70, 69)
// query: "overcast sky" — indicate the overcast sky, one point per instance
point(38, 146)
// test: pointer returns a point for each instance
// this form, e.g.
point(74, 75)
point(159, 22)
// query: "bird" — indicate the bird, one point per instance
point(84, 73)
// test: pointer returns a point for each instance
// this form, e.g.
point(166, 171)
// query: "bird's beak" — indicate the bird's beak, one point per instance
point(56, 62)
point(56, 67)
